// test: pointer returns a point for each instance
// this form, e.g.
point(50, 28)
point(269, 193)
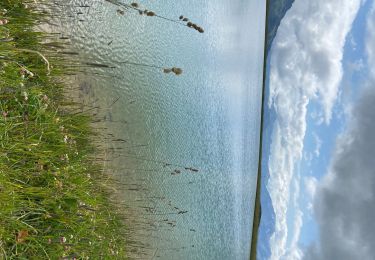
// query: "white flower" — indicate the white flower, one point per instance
point(3, 21)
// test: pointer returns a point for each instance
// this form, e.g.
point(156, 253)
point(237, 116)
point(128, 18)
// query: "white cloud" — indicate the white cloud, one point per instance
point(318, 144)
point(357, 65)
point(305, 65)
point(294, 252)
point(318, 117)
point(310, 186)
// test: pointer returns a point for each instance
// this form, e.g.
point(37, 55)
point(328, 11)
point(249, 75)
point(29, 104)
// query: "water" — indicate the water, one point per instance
point(208, 119)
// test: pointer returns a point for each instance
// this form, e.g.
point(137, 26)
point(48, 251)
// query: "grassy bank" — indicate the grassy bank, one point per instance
point(53, 203)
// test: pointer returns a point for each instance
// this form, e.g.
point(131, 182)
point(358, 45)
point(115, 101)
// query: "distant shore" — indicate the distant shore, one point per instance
point(258, 206)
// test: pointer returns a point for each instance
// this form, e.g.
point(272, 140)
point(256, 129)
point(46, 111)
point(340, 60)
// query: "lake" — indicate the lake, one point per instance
point(187, 160)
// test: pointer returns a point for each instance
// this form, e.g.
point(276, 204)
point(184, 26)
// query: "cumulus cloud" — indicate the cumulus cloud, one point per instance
point(344, 204)
point(308, 50)
point(305, 65)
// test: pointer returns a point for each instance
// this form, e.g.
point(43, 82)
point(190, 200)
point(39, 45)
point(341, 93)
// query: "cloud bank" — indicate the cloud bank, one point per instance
point(305, 65)
point(344, 204)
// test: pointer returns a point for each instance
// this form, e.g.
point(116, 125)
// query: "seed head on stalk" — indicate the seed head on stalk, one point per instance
point(184, 21)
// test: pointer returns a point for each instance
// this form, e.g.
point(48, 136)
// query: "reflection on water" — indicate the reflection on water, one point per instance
point(189, 143)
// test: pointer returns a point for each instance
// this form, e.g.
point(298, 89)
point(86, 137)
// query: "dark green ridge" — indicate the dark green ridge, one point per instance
point(258, 207)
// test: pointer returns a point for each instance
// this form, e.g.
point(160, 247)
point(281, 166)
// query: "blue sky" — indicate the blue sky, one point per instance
point(354, 76)
point(318, 72)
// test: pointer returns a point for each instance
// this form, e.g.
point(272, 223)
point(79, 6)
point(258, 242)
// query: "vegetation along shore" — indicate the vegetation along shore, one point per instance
point(53, 200)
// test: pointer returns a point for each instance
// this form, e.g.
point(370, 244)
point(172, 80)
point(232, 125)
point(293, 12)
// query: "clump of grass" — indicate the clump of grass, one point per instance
point(53, 203)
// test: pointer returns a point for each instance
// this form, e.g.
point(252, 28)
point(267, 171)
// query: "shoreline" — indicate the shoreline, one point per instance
point(54, 197)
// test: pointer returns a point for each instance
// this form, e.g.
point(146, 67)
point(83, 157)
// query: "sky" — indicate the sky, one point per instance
point(321, 160)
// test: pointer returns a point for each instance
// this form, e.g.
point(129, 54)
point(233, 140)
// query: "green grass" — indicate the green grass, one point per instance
point(53, 203)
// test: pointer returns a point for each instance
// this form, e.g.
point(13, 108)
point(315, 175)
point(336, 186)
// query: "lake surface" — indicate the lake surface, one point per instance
point(206, 119)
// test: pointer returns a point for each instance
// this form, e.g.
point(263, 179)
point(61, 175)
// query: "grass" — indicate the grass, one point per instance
point(53, 200)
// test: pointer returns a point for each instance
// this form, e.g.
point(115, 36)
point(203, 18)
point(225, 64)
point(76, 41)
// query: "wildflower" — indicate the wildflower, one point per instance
point(21, 236)
point(25, 72)
point(5, 114)
point(26, 97)
point(65, 139)
point(3, 21)
point(62, 240)
point(59, 184)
